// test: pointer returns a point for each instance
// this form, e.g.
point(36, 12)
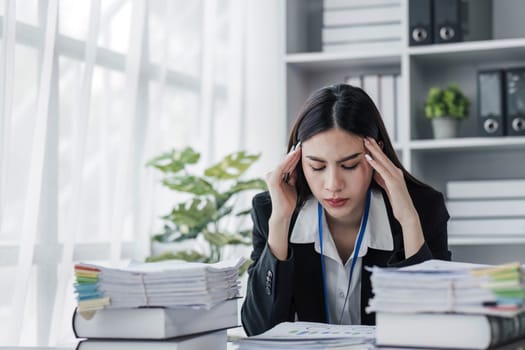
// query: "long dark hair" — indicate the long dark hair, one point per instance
point(345, 107)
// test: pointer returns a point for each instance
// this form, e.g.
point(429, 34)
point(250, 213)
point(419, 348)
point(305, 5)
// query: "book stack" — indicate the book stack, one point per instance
point(475, 306)
point(170, 304)
point(484, 211)
point(357, 25)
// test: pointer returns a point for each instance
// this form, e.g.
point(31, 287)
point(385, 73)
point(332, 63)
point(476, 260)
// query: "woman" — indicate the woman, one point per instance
point(339, 201)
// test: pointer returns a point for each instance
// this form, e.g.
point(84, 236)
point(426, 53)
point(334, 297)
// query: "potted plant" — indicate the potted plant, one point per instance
point(209, 200)
point(446, 108)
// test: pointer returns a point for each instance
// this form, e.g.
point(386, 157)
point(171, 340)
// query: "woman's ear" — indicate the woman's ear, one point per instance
point(381, 144)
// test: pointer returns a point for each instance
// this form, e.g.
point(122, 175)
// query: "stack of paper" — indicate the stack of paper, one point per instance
point(166, 284)
point(486, 211)
point(361, 25)
point(439, 286)
point(475, 306)
point(311, 335)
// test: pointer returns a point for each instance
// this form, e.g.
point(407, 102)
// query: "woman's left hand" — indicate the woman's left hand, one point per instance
point(392, 180)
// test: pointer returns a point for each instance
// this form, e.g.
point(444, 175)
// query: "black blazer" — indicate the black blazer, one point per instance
point(277, 290)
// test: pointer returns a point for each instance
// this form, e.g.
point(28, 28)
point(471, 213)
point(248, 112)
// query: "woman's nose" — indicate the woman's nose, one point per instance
point(333, 181)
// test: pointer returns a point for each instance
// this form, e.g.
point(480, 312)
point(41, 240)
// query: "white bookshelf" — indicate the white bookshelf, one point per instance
point(475, 52)
point(456, 241)
point(468, 157)
point(321, 61)
point(472, 143)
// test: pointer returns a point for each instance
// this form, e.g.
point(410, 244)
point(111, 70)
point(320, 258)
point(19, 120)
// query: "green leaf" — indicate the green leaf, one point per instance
point(256, 184)
point(216, 238)
point(208, 208)
point(191, 255)
point(240, 186)
point(193, 217)
point(174, 161)
point(244, 212)
point(222, 212)
point(190, 184)
point(168, 235)
point(448, 102)
point(220, 239)
point(244, 267)
point(232, 166)
point(246, 234)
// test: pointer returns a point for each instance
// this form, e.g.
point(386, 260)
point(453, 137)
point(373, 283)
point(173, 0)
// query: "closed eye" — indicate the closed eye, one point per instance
point(349, 167)
point(345, 167)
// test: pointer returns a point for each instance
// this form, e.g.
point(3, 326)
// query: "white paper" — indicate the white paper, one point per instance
point(312, 335)
point(444, 286)
point(313, 330)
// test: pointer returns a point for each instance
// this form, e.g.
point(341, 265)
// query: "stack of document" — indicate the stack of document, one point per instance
point(476, 306)
point(163, 284)
point(440, 286)
point(362, 25)
point(311, 335)
point(488, 211)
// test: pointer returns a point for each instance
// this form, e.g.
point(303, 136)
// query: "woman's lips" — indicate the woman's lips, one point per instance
point(336, 202)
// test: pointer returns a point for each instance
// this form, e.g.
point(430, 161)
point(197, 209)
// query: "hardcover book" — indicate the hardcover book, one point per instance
point(214, 340)
point(155, 322)
point(442, 330)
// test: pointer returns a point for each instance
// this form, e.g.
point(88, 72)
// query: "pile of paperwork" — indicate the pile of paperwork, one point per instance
point(443, 286)
point(166, 283)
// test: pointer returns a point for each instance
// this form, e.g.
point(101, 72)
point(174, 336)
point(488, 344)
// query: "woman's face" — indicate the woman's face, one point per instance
point(337, 172)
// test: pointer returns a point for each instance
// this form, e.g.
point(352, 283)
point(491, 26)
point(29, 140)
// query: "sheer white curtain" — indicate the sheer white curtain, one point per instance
point(89, 91)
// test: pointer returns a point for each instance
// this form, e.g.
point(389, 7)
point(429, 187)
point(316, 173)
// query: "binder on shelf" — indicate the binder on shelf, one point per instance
point(354, 81)
point(387, 104)
point(491, 105)
point(398, 88)
point(476, 20)
point(515, 96)
point(420, 27)
point(371, 86)
point(447, 21)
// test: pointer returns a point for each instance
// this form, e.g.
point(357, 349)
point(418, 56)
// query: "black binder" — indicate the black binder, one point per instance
point(491, 104)
point(447, 21)
point(515, 91)
point(420, 22)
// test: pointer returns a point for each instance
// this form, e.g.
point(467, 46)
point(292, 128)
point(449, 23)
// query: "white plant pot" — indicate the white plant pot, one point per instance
point(445, 127)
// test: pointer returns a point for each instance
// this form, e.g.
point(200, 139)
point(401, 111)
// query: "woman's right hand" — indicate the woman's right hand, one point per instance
point(281, 185)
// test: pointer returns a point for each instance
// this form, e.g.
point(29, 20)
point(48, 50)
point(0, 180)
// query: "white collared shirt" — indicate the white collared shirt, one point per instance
point(378, 235)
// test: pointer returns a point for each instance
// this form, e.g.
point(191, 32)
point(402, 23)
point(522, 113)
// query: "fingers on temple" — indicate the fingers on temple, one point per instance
point(379, 159)
point(291, 160)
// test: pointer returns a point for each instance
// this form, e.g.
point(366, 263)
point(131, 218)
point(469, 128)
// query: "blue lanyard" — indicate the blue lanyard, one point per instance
point(356, 249)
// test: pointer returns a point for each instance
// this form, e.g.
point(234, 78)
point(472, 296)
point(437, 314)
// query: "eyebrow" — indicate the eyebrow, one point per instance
point(342, 160)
